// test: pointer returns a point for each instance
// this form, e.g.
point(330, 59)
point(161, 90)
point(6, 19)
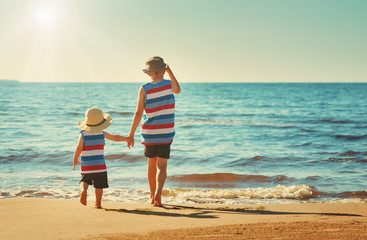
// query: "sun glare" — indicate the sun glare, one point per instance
point(45, 16)
point(45, 22)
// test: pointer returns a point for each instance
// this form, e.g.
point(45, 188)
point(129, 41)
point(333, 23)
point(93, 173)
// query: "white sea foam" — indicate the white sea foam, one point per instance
point(180, 196)
point(349, 200)
point(278, 192)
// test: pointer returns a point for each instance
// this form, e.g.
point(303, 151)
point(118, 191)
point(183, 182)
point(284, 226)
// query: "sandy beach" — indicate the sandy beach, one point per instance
point(37, 218)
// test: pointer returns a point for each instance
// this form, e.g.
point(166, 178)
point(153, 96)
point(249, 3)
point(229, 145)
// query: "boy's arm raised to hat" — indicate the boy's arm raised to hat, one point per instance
point(78, 151)
point(137, 116)
point(175, 85)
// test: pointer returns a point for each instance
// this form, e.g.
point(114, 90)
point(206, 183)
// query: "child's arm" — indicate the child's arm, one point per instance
point(116, 138)
point(175, 85)
point(137, 116)
point(78, 151)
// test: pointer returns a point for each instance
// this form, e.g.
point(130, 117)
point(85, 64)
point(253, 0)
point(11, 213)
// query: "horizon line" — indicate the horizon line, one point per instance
point(19, 81)
point(197, 82)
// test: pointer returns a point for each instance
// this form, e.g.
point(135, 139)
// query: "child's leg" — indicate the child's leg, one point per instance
point(83, 193)
point(152, 172)
point(99, 193)
point(161, 178)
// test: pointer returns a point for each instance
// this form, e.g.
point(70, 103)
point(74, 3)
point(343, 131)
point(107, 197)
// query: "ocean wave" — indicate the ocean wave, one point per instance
point(308, 130)
point(313, 178)
point(180, 195)
point(208, 121)
point(341, 195)
point(30, 155)
point(255, 160)
point(353, 153)
point(327, 153)
point(238, 122)
point(350, 137)
point(41, 193)
point(230, 178)
point(245, 161)
point(19, 158)
point(346, 159)
point(357, 194)
point(278, 192)
point(75, 113)
point(177, 195)
point(186, 126)
point(125, 157)
point(328, 120)
point(121, 113)
point(302, 145)
point(61, 157)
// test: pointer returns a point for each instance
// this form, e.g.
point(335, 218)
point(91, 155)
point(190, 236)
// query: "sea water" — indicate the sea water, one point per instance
point(235, 142)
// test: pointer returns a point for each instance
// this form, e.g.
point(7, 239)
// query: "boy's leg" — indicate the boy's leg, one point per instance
point(99, 193)
point(83, 193)
point(152, 172)
point(161, 178)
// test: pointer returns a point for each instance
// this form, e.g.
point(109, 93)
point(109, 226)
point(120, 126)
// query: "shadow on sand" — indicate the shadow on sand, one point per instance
point(210, 212)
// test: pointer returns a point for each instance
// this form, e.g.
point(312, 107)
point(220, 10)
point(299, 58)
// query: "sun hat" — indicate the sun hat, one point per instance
point(154, 64)
point(95, 120)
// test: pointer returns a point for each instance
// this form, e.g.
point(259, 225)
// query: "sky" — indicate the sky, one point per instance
point(201, 40)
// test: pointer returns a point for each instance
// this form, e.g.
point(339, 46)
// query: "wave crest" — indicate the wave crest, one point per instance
point(278, 192)
point(350, 137)
point(229, 177)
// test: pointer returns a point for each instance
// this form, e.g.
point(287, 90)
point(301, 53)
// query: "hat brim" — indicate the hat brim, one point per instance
point(154, 70)
point(108, 121)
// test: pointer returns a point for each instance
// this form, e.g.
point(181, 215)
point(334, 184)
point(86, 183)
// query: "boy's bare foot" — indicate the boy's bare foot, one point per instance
point(157, 202)
point(98, 207)
point(83, 198)
point(151, 200)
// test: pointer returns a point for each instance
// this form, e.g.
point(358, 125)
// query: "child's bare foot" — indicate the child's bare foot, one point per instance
point(157, 202)
point(83, 198)
point(98, 207)
point(151, 200)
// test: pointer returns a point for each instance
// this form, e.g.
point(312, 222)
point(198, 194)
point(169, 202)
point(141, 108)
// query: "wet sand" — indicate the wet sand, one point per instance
point(37, 218)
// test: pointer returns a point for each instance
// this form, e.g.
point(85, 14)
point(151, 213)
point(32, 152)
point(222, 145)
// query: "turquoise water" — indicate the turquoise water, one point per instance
point(234, 143)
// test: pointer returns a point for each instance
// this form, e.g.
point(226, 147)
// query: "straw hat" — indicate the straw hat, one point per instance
point(155, 64)
point(95, 120)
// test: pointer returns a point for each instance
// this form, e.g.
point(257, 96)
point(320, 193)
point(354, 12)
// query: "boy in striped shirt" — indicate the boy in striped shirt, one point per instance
point(157, 101)
point(91, 148)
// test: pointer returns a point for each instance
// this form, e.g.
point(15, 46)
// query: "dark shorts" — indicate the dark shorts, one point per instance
point(161, 151)
point(98, 180)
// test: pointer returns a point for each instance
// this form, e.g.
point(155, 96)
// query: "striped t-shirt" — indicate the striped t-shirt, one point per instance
point(159, 117)
point(92, 156)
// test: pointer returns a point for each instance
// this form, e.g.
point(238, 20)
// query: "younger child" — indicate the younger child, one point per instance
point(90, 147)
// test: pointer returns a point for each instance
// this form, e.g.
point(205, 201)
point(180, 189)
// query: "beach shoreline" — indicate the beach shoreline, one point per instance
point(39, 218)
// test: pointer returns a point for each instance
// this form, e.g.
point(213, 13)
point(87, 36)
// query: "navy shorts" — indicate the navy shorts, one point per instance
point(98, 180)
point(161, 151)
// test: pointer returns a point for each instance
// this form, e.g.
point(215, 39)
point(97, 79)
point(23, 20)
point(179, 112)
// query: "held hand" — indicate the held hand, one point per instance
point(130, 141)
point(75, 163)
